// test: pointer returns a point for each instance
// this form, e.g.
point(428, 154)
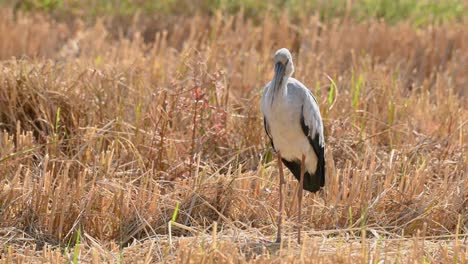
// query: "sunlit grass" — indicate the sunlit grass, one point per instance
point(109, 138)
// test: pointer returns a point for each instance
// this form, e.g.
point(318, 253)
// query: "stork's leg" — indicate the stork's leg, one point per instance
point(299, 194)
point(280, 212)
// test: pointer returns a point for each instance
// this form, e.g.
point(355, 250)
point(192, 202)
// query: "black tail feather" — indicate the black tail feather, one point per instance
point(312, 182)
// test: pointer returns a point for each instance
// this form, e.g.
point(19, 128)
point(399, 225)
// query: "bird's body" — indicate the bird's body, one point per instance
point(294, 125)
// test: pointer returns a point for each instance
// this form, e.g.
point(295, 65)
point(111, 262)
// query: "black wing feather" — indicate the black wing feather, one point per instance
point(319, 175)
point(311, 183)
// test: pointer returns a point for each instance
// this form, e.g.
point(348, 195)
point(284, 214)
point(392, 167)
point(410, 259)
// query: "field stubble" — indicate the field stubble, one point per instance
point(107, 136)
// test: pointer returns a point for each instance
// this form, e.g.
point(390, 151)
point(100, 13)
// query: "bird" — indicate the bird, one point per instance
point(293, 123)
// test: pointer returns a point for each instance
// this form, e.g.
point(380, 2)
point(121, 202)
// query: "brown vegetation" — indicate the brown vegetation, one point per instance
point(103, 134)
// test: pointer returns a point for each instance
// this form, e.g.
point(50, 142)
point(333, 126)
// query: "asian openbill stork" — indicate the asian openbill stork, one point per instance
point(294, 125)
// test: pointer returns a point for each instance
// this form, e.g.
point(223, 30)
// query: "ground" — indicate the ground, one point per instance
point(137, 136)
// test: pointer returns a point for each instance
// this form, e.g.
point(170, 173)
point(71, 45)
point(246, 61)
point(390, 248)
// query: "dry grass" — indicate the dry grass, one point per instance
point(102, 135)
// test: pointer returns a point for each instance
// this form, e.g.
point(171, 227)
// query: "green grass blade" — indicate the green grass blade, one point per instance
point(331, 95)
point(77, 246)
point(357, 91)
point(175, 213)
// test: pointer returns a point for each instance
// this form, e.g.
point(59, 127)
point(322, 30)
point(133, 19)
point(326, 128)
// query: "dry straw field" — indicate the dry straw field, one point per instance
point(138, 139)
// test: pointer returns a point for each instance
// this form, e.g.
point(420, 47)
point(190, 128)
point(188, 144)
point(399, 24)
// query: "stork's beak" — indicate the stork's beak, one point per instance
point(280, 69)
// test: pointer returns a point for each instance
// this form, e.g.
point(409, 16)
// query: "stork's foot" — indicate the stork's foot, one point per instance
point(278, 240)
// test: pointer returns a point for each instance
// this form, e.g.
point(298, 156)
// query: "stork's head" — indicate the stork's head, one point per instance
point(283, 63)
